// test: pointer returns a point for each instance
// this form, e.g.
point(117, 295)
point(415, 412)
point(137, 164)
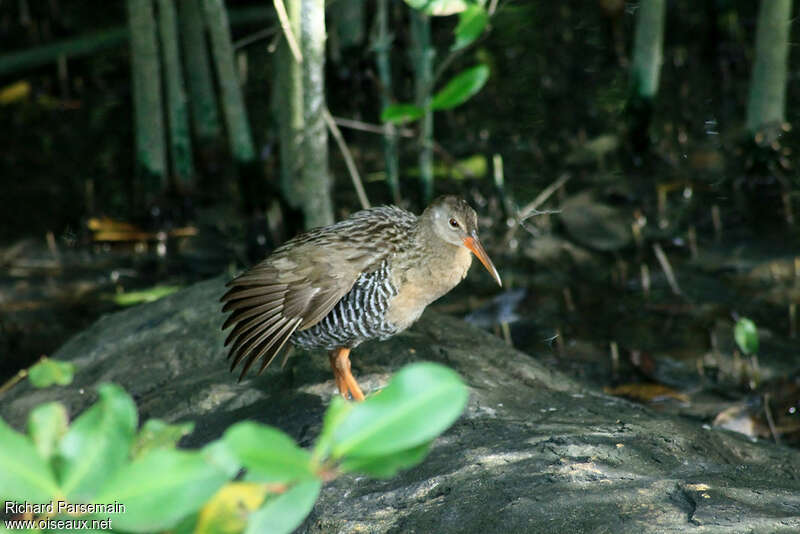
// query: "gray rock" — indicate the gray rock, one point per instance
point(534, 451)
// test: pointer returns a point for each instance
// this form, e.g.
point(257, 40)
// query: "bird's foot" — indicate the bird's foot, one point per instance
point(340, 363)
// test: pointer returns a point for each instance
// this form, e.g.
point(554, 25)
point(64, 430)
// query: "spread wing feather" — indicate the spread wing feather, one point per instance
point(300, 283)
point(241, 317)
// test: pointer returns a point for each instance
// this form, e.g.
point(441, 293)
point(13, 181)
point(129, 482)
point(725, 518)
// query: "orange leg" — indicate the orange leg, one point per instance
point(340, 363)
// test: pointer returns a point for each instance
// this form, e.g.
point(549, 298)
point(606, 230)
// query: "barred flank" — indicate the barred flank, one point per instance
point(359, 316)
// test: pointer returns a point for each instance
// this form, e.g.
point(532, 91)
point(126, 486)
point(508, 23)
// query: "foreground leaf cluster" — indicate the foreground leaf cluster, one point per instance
point(253, 479)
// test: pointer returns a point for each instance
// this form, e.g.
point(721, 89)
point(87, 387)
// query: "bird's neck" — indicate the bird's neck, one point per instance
point(426, 270)
point(439, 265)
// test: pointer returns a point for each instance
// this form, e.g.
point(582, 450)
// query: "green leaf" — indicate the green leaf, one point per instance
point(386, 466)
point(334, 415)
point(746, 335)
point(47, 423)
point(419, 403)
point(156, 434)
point(96, 444)
point(187, 525)
point(48, 372)
point(152, 294)
point(161, 488)
point(24, 475)
point(268, 454)
point(471, 23)
point(401, 113)
point(74, 526)
point(471, 167)
point(220, 455)
point(438, 7)
point(284, 513)
point(461, 88)
point(227, 511)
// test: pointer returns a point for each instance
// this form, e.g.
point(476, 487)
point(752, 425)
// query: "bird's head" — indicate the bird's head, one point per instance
point(455, 222)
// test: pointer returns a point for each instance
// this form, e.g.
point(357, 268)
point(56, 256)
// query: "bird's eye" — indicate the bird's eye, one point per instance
point(453, 223)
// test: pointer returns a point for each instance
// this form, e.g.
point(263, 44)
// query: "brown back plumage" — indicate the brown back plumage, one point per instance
point(301, 281)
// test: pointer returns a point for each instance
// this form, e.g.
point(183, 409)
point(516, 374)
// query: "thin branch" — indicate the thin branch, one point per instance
point(255, 37)
point(19, 375)
point(348, 158)
point(372, 128)
point(770, 420)
point(667, 268)
point(536, 213)
point(446, 62)
point(532, 208)
point(283, 18)
point(451, 57)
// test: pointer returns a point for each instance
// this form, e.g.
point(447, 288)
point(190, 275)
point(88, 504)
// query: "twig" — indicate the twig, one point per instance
point(531, 208)
point(500, 184)
point(348, 158)
point(451, 57)
point(51, 244)
point(542, 212)
point(11, 382)
point(716, 220)
point(283, 18)
point(372, 128)
point(255, 37)
point(443, 66)
point(770, 421)
point(614, 349)
point(21, 374)
point(667, 268)
point(504, 327)
point(541, 198)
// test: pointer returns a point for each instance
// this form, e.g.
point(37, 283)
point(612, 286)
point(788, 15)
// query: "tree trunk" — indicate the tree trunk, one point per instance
point(647, 49)
point(148, 120)
point(767, 100)
point(178, 122)
point(383, 47)
point(203, 101)
point(422, 58)
point(239, 137)
point(645, 70)
point(316, 180)
point(288, 102)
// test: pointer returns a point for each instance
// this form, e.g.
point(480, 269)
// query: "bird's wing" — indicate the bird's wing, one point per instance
point(301, 282)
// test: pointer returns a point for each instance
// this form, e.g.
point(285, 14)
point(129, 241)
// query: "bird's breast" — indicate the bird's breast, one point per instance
point(422, 282)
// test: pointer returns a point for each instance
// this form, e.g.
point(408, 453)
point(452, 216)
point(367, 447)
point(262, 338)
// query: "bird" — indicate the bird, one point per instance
point(333, 287)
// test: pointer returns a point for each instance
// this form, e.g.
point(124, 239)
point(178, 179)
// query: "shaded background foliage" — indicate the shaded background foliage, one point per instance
point(558, 74)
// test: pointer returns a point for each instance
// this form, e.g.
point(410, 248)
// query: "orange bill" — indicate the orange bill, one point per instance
point(474, 244)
